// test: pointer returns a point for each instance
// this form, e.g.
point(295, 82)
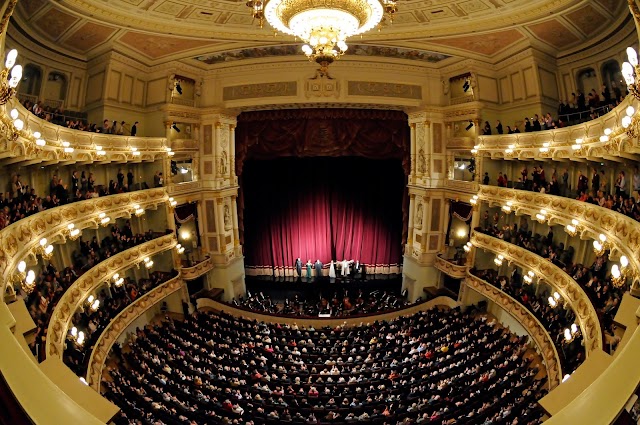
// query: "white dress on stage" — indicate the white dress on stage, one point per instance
point(332, 270)
point(345, 268)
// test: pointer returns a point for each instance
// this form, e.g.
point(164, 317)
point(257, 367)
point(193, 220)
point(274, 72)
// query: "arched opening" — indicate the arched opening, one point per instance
point(612, 78)
point(31, 81)
point(587, 80)
point(55, 90)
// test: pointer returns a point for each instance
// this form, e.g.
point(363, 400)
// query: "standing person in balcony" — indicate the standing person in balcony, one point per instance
point(635, 181)
point(485, 179)
point(134, 129)
point(130, 180)
point(83, 182)
point(621, 184)
point(106, 127)
point(583, 183)
point(74, 184)
point(595, 181)
point(536, 123)
point(528, 128)
point(120, 179)
point(486, 131)
point(499, 127)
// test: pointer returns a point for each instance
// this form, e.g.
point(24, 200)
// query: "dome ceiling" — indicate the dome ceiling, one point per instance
point(213, 31)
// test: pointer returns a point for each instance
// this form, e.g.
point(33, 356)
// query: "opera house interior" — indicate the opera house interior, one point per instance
point(331, 211)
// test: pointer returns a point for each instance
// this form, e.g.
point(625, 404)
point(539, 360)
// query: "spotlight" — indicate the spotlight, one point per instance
point(175, 127)
point(466, 86)
point(470, 125)
point(178, 87)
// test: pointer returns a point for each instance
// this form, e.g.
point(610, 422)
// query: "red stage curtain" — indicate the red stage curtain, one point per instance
point(323, 208)
point(367, 133)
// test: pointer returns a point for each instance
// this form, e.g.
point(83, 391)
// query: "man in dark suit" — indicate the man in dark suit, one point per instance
point(356, 268)
point(318, 266)
point(299, 266)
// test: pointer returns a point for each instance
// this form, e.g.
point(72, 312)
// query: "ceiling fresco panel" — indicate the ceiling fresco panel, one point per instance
point(54, 23)
point(554, 32)
point(485, 44)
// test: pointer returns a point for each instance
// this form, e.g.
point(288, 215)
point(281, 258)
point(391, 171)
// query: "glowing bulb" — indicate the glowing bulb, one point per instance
point(31, 277)
point(615, 271)
point(630, 111)
point(626, 121)
point(22, 266)
point(90, 299)
point(43, 242)
point(567, 334)
point(14, 114)
point(633, 56)
point(602, 237)
point(607, 131)
point(18, 124)
point(574, 328)
point(66, 144)
point(624, 261)
point(11, 58)
point(556, 295)
point(74, 331)
point(627, 73)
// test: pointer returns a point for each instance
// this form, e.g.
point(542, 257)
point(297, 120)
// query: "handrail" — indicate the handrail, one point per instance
point(561, 140)
point(75, 295)
point(197, 270)
point(119, 324)
point(19, 239)
point(623, 232)
point(454, 270)
point(568, 288)
point(534, 327)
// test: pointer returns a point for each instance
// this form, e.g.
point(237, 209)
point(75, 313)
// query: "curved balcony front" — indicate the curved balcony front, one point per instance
point(78, 292)
point(450, 268)
point(197, 270)
point(65, 145)
point(568, 288)
point(119, 324)
point(562, 143)
point(19, 240)
point(536, 330)
point(621, 231)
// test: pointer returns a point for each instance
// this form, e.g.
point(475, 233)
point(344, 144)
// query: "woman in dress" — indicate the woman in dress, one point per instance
point(309, 264)
point(332, 270)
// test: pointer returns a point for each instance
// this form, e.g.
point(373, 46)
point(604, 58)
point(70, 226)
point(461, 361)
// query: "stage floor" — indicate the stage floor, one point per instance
point(279, 288)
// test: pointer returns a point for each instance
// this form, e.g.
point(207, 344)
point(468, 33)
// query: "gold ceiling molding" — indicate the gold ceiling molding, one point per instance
point(454, 270)
point(621, 231)
point(535, 329)
point(194, 272)
point(19, 240)
point(119, 324)
point(554, 276)
point(578, 141)
point(75, 295)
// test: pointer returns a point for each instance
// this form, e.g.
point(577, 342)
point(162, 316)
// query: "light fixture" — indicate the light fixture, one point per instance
point(323, 25)
point(508, 151)
point(179, 248)
point(544, 150)
point(498, 260)
point(80, 339)
point(600, 245)
point(68, 150)
point(29, 282)
point(468, 127)
point(104, 220)
point(474, 200)
point(172, 202)
point(542, 216)
point(8, 85)
point(45, 249)
point(570, 333)
point(14, 114)
point(630, 72)
point(183, 170)
point(507, 208)
point(73, 233)
point(565, 377)
point(474, 151)
point(137, 210)
point(148, 262)
point(554, 299)
point(607, 131)
point(467, 247)
point(572, 229)
point(95, 305)
point(175, 127)
point(528, 278)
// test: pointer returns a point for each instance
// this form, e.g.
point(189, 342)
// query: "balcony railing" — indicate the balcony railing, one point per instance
point(553, 275)
point(621, 231)
point(65, 144)
point(119, 324)
point(450, 268)
point(197, 270)
point(578, 141)
point(75, 295)
point(19, 240)
point(461, 186)
point(536, 330)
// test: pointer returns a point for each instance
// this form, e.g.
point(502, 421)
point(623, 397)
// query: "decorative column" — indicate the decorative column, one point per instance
point(412, 174)
point(232, 152)
point(412, 200)
point(220, 224)
point(234, 215)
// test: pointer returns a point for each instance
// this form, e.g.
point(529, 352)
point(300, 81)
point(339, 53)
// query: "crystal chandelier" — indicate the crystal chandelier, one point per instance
point(324, 25)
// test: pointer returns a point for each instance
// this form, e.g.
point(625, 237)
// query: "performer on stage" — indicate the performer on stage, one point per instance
point(332, 270)
point(355, 269)
point(345, 268)
point(318, 267)
point(309, 265)
point(299, 266)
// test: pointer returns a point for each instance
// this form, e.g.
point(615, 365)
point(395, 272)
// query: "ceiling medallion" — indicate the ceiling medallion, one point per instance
point(324, 25)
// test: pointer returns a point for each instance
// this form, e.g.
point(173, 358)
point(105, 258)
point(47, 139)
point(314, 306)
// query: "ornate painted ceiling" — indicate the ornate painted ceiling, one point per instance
point(214, 31)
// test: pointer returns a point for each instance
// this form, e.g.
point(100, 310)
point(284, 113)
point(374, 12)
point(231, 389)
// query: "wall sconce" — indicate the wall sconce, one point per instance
point(148, 263)
point(474, 200)
point(77, 336)
point(172, 202)
point(72, 232)
point(100, 151)
point(44, 249)
point(8, 85)
point(29, 282)
point(630, 72)
point(180, 248)
point(600, 245)
point(528, 278)
point(104, 220)
point(572, 229)
point(117, 280)
point(570, 333)
point(507, 208)
point(170, 152)
point(541, 217)
point(545, 147)
point(93, 303)
point(135, 151)
point(137, 210)
point(498, 260)
point(554, 300)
